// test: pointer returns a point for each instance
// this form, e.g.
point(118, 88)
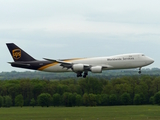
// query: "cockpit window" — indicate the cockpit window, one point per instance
point(143, 55)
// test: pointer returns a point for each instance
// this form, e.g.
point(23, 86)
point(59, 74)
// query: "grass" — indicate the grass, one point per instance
point(81, 113)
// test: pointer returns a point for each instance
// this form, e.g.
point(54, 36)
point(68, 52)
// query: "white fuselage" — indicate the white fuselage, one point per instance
point(124, 61)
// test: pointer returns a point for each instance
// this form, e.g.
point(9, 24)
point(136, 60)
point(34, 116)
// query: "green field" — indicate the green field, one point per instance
point(81, 113)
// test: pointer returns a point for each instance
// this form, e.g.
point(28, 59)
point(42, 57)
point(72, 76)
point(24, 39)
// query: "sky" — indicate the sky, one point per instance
point(60, 29)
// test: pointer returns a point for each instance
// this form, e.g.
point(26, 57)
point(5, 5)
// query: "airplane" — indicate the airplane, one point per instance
point(81, 66)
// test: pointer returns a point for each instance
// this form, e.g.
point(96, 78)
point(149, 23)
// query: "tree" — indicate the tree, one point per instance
point(98, 99)
point(157, 98)
point(65, 99)
point(71, 100)
point(33, 102)
point(13, 89)
point(91, 85)
point(69, 92)
point(37, 89)
point(92, 100)
point(78, 100)
point(156, 85)
point(1, 101)
point(19, 100)
point(148, 82)
point(44, 99)
point(137, 99)
point(151, 100)
point(62, 89)
point(125, 99)
point(68, 99)
point(113, 99)
point(86, 99)
point(142, 89)
point(26, 89)
point(56, 99)
point(7, 101)
point(105, 99)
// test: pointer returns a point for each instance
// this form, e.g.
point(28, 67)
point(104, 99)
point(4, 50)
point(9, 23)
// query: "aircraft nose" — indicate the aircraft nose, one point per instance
point(150, 60)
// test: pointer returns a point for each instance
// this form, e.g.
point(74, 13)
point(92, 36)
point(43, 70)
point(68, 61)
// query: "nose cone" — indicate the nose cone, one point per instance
point(150, 60)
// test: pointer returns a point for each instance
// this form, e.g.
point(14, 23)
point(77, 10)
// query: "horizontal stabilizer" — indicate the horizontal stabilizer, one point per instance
point(16, 63)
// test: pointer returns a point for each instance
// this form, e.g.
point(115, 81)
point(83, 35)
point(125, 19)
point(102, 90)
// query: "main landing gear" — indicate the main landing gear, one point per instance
point(85, 74)
point(79, 74)
point(139, 71)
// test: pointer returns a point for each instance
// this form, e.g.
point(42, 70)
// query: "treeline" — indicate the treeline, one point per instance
point(135, 90)
point(108, 74)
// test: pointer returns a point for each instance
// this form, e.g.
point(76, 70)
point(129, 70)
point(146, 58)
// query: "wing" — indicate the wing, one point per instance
point(69, 65)
point(80, 68)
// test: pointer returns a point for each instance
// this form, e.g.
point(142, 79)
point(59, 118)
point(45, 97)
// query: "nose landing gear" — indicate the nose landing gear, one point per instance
point(139, 71)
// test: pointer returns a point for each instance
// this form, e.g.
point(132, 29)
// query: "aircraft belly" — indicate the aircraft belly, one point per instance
point(126, 64)
point(123, 65)
point(139, 64)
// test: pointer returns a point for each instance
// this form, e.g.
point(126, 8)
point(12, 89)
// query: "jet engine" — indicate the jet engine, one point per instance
point(78, 67)
point(96, 69)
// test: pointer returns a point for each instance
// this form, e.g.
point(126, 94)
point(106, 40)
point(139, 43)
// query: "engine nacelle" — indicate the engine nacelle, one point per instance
point(96, 69)
point(78, 67)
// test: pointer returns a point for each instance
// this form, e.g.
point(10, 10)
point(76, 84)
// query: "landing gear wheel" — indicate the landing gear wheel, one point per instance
point(139, 71)
point(79, 74)
point(85, 74)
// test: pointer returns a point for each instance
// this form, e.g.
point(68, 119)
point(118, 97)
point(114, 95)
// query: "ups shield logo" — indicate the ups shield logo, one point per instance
point(16, 53)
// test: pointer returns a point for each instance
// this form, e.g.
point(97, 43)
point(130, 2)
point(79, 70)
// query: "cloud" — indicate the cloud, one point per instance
point(90, 16)
point(80, 28)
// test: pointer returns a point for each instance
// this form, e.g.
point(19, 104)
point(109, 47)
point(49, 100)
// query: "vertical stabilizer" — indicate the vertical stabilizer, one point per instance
point(18, 54)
